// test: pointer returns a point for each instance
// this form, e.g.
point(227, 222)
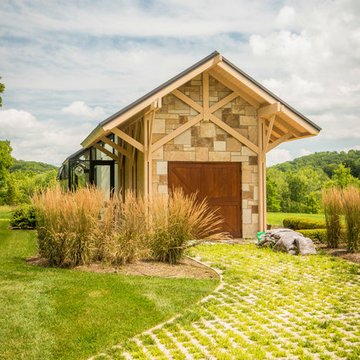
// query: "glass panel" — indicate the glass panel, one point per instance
point(102, 178)
point(116, 177)
point(101, 156)
point(79, 173)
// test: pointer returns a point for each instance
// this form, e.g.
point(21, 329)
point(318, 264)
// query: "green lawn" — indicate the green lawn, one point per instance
point(49, 313)
point(277, 218)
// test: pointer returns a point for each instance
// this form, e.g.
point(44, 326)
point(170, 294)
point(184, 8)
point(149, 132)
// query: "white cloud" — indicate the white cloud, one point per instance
point(278, 156)
point(307, 52)
point(285, 17)
point(81, 110)
point(305, 152)
point(45, 141)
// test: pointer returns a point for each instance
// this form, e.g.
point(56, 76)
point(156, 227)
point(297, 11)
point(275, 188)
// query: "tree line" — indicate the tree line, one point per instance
point(295, 186)
point(19, 179)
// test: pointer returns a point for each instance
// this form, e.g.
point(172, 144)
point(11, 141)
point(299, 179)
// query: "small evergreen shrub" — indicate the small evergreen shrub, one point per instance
point(23, 217)
point(305, 224)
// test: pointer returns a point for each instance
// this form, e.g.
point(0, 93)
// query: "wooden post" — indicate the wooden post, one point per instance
point(205, 80)
point(120, 156)
point(260, 175)
point(264, 137)
point(149, 151)
point(146, 162)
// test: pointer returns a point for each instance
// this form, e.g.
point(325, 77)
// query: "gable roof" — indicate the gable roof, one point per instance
point(209, 61)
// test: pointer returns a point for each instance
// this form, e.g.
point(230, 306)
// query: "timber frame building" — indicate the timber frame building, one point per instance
point(207, 130)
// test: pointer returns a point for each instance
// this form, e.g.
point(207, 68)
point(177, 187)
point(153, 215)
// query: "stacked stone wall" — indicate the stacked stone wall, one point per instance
point(207, 142)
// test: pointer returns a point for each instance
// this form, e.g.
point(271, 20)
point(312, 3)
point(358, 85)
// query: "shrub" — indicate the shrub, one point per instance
point(298, 223)
point(176, 219)
point(332, 207)
point(351, 210)
point(23, 217)
point(316, 235)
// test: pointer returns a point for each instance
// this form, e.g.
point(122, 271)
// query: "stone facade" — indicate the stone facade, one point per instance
point(207, 142)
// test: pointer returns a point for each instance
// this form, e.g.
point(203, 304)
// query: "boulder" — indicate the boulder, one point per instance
point(289, 241)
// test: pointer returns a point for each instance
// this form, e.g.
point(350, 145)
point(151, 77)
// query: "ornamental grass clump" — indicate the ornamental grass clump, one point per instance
point(332, 201)
point(84, 226)
point(67, 224)
point(122, 236)
point(177, 218)
point(351, 210)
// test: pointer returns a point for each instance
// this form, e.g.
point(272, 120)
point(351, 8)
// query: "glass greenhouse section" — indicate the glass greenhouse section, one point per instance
point(88, 166)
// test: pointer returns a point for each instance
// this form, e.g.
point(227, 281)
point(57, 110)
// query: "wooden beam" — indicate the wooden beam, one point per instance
point(128, 139)
point(187, 100)
point(287, 126)
point(223, 102)
point(246, 83)
point(241, 138)
point(279, 141)
point(105, 151)
point(269, 110)
point(205, 94)
point(305, 125)
point(134, 149)
point(151, 125)
point(269, 131)
point(177, 132)
point(117, 147)
point(277, 132)
point(168, 89)
point(156, 104)
point(235, 88)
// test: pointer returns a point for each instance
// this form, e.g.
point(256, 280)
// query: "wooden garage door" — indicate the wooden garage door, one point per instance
point(219, 182)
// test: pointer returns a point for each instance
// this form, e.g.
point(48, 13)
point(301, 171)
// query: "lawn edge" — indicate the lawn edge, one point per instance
point(221, 284)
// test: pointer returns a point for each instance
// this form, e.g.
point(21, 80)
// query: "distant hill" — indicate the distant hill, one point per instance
point(328, 161)
point(35, 166)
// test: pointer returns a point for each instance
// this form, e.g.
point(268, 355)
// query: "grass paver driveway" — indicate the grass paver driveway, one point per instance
point(270, 306)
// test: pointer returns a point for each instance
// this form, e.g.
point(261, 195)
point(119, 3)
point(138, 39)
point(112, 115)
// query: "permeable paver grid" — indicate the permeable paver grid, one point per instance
point(269, 306)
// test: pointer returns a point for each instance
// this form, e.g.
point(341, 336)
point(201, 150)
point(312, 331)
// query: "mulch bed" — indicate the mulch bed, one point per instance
point(341, 252)
point(186, 268)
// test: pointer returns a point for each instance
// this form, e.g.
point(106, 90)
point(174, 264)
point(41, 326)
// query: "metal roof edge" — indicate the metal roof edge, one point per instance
point(86, 141)
point(149, 94)
point(160, 87)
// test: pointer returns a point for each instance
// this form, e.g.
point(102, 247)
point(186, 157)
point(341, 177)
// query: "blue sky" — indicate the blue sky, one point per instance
point(68, 65)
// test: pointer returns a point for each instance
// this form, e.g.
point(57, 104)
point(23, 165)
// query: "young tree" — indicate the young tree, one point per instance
point(342, 177)
point(2, 88)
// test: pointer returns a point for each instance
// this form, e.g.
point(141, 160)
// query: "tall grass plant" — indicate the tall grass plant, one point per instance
point(332, 201)
point(83, 226)
point(351, 210)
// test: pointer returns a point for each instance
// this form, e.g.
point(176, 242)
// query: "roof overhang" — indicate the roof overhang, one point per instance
point(267, 103)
